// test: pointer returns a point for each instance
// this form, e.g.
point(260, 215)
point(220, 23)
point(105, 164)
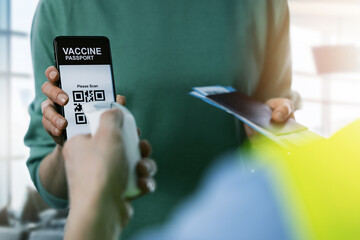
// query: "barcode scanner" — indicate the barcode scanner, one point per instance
point(93, 112)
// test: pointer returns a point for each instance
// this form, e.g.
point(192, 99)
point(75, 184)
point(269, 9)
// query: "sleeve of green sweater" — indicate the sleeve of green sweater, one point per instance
point(36, 138)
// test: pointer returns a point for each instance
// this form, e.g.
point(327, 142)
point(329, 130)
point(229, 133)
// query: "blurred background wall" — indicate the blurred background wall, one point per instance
point(321, 31)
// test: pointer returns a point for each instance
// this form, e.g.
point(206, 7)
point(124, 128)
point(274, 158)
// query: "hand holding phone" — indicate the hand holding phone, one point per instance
point(85, 75)
point(53, 122)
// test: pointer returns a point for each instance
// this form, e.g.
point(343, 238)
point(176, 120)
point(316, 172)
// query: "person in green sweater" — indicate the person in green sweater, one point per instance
point(160, 50)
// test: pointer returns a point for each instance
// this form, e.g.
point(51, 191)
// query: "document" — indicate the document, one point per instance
point(254, 113)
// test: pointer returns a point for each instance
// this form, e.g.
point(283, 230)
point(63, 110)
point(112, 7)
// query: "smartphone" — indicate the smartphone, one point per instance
point(86, 75)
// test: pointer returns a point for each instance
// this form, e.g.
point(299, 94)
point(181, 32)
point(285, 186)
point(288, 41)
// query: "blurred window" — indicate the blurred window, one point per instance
point(16, 93)
point(330, 101)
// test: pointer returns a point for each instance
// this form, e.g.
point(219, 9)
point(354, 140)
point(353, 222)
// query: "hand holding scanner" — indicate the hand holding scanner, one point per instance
point(130, 137)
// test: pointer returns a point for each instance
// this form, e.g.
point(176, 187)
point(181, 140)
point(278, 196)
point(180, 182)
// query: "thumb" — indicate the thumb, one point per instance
point(110, 122)
point(282, 109)
point(121, 99)
point(282, 112)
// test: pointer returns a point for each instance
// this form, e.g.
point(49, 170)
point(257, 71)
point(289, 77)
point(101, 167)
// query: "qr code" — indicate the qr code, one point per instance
point(81, 97)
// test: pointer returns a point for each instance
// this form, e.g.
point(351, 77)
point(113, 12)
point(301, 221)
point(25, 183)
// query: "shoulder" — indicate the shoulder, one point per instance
point(66, 3)
point(64, 10)
point(55, 13)
point(48, 8)
point(50, 3)
point(55, 2)
point(58, 6)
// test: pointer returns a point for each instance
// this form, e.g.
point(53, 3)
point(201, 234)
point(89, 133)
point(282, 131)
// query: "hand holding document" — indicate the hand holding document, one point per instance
point(255, 114)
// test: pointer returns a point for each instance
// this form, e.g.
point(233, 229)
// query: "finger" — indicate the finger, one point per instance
point(55, 133)
point(126, 212)
point(55, 93)
point(121, 99)
point(50, 128)
point(110, 125)
point(146, 185)
point(146, 168)
point(282, 108)
point(145, 148)
point(52, 74)
point(282, 113)
point(50, 113)
point(275, 102)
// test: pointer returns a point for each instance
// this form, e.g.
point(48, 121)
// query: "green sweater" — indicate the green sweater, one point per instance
point(160, 49)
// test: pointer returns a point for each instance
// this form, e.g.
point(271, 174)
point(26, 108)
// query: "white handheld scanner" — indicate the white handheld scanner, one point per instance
point(130, 137)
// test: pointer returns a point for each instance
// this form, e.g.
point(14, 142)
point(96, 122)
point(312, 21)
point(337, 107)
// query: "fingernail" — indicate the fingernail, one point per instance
point(279, 116)
point(62, 98)
point(151, 185)
point(43, 105)
point(60, 122)
point(150, 168)
point(52, 74)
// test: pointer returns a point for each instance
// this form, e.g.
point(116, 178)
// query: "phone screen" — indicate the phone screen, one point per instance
point(86, 75)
